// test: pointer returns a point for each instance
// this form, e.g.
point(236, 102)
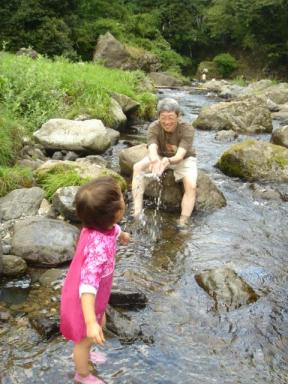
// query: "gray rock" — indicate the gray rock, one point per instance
point(280, 136)
point(88, 135)
point(129, 156)
point(226, 136)
point(46, 327)
point(127, 297)
point(71, 156)
point(43, 241)
point(32, 164)
point(48, 278)
point(208, 196)
point(13, 265)
point(124, 327)
point(228, 290)
point(95, 159)
point(249, 115)
point(265, 193)
point(231, 91)
point(162, 79)
point(113, 54)
point(64, 202)
point(32, 152)
point(273, 107)
point(20, 202)
point(57, 155)
point(114, 135)
point(118, 116)
point(127, 104)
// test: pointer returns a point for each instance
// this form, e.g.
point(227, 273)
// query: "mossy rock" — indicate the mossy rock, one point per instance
point(255, 160)
point(54, 175)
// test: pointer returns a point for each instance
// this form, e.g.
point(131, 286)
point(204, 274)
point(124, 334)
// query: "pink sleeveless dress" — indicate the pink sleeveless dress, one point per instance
point(93, 264)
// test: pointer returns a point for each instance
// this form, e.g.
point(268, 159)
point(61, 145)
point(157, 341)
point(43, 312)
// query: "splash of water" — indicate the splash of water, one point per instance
point(147, 226)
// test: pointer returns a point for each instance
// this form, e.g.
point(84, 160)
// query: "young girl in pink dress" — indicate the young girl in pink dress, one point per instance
point(85, 294)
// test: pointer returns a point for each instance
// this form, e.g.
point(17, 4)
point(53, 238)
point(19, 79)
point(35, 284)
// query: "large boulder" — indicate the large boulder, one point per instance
point(89, 135)
point(113, 54)
point(278, 93)
point(208, 196)
point(129, 156)
point(255, 160)
point(280, 136)
point(162, 79)
point(20, 203)
point(43, 241)
point(249, 115)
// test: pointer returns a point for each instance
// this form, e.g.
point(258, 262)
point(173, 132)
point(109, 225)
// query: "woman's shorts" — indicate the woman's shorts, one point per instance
point(186, 167)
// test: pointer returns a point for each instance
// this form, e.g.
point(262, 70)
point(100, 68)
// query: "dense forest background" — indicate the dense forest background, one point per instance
point(182, 33)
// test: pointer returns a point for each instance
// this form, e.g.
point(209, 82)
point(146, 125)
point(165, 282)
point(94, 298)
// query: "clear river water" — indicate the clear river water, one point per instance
point(194, 340)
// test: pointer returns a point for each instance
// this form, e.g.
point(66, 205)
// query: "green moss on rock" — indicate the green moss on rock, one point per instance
point(253, 160)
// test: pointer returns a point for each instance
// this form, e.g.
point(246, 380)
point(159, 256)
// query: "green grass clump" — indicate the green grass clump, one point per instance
point(13, 178)
point(64, 175)
point(10, 139)
point(36, 90)
point(59, 177)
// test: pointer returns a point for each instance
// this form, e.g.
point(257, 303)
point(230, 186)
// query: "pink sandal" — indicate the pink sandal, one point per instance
point(97, 357)
point(90, 379)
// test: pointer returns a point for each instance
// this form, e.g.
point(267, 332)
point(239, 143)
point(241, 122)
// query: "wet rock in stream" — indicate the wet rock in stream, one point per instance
point(228, 290)
point(46, 327)
point(125, 327)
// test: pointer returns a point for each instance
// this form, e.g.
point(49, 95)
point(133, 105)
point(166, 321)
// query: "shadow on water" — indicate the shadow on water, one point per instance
point(217, 295)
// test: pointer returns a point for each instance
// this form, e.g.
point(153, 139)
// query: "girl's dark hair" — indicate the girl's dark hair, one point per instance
point(97, 203)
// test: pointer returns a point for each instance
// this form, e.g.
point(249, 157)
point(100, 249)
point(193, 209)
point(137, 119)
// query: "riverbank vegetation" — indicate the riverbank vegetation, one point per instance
point(181, 34)
point(33, 91)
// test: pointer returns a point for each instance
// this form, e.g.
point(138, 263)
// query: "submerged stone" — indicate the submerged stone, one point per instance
point(228, 290)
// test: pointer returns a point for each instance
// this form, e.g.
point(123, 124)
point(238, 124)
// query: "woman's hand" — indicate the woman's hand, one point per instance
point(154, 166)
point(165, 162)
point(95, 332)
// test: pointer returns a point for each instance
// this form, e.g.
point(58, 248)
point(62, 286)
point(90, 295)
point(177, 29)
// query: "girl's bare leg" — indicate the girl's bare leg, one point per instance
point(81, 356)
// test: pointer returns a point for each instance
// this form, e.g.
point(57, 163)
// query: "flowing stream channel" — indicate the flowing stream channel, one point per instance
point(196, 339)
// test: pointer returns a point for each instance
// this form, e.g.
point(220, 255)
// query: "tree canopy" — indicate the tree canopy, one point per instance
point(195, 29)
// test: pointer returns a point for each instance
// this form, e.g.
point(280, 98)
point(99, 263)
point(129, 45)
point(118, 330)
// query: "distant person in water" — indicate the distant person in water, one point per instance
point(85, 294)
point(169, 147)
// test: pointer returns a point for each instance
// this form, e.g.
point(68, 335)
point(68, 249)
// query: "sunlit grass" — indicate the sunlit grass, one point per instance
point(15, 177)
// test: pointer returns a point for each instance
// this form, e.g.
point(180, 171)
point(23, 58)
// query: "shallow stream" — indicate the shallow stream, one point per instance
point(194, 340)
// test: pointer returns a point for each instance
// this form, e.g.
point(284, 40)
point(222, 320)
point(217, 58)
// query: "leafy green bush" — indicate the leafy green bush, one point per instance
point(16, 177)
point(226, 63)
